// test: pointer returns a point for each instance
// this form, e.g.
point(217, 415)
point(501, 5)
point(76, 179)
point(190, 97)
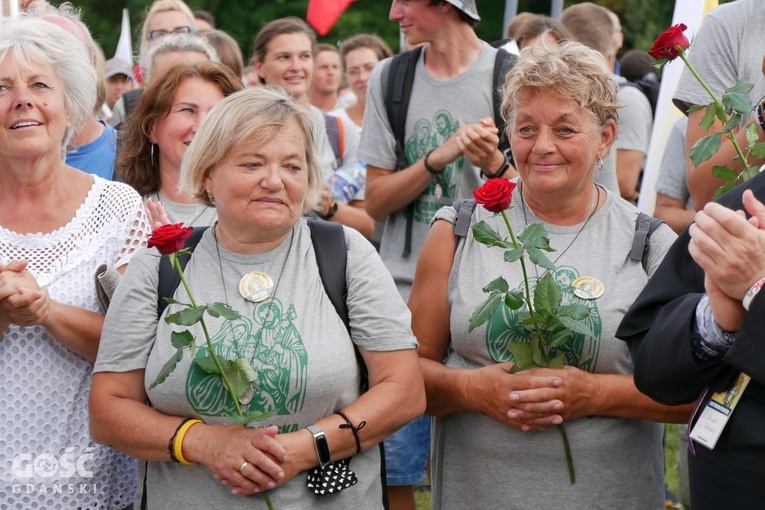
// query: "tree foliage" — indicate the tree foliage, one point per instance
point(642, 21)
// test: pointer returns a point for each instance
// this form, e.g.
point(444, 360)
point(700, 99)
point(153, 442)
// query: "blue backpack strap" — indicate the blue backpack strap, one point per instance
point(644, 227)
point(168, 278)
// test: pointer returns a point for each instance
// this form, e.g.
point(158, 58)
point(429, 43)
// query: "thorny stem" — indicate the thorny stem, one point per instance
point(523, 262)
point(176, 264)
point(718, 106)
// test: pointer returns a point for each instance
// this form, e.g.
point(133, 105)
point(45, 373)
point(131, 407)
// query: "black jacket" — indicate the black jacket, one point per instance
point(657, 328)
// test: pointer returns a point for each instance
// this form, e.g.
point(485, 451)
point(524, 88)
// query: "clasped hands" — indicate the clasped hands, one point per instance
point(22, 301)
point(248, 460)
point(532, 399)
point(478, 142)
point(731, 250)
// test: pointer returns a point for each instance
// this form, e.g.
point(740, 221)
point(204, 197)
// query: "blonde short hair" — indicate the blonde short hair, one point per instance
point(257, 113)
point(569, 70)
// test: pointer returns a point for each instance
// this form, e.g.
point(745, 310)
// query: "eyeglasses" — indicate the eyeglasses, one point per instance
point(156, 35)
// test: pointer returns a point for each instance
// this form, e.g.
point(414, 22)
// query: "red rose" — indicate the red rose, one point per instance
point(668, 45)
point(169, 238)
point(495, 194)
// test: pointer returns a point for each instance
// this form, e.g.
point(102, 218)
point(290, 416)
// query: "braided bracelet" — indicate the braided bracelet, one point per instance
point(349, 425)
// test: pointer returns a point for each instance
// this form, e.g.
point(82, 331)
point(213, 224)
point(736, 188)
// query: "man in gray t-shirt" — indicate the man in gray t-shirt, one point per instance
point(450, 137)
point(728, 47)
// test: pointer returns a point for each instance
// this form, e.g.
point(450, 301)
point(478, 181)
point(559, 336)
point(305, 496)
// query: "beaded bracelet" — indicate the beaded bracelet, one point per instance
point(175, 446)
point(427, 165)
point(349, 425)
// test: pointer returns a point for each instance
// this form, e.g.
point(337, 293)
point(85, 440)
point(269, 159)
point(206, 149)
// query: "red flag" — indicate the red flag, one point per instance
point(322, 14)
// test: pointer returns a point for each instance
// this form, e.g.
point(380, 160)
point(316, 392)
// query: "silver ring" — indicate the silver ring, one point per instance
point(244, 465)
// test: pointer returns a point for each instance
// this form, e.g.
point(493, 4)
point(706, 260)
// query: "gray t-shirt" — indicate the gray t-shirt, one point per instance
point(672, 181)
point(728, 47)
point(437, 108)
point(618, 461)
point(434, 115)
point(635, 118)
point(305, 360)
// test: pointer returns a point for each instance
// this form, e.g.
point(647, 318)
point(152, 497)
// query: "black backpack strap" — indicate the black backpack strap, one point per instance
point(644, 227)
point(168, 278)
point(331, 256)
point(333, 134)
point(503, 61)
point(464, 208)
point(396, 97)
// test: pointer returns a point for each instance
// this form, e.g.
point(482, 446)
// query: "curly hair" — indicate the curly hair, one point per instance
point(569, 70)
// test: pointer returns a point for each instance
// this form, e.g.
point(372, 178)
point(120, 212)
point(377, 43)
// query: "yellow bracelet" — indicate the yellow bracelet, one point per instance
point(178, 442)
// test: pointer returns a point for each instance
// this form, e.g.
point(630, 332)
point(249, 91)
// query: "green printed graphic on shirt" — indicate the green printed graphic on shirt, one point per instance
point(272, 344)
point(427, 135)
point(581, 352)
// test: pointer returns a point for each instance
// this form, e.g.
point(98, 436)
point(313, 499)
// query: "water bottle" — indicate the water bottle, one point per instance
point(348, 180)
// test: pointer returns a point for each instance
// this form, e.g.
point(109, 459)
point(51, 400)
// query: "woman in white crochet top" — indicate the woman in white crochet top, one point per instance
point(57, 226)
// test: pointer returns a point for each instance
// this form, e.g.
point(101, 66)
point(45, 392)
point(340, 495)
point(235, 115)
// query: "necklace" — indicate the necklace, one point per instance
point(593, 209)
point(248, 395)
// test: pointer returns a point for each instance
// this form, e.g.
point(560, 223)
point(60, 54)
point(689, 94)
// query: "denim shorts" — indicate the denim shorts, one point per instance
point(406, 453)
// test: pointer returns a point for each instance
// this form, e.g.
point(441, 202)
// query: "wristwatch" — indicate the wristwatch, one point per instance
point(321, 445)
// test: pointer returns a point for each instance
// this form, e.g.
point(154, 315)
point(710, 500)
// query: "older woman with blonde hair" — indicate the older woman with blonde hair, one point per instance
point(255, 158)
point(57, 226)
point(492, 442)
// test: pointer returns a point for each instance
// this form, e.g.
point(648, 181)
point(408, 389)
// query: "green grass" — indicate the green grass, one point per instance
point(671, 440)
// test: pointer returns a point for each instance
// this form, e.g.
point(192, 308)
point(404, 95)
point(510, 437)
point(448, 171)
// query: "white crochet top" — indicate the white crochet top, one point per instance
point(47, 459)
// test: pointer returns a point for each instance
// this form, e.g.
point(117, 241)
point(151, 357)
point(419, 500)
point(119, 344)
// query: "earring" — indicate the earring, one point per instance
point(599, 164)
point(151, 155)
point(210, 196)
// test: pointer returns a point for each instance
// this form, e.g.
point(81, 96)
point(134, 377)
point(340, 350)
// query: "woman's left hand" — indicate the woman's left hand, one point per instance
point(571, 399)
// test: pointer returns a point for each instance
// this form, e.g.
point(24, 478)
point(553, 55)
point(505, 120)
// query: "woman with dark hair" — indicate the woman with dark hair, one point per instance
point(159, 131)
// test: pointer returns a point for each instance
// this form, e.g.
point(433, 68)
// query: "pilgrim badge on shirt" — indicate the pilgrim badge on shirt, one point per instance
point(587, 287)
point(717, 412)
point(256, 286)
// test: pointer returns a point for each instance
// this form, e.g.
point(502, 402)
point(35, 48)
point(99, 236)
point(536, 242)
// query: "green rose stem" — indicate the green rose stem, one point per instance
point(176, 264)
point(718, 106)
point(523, 262)
point(569, 461)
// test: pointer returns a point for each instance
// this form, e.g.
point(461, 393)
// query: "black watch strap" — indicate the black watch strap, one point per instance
point(321, 445)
